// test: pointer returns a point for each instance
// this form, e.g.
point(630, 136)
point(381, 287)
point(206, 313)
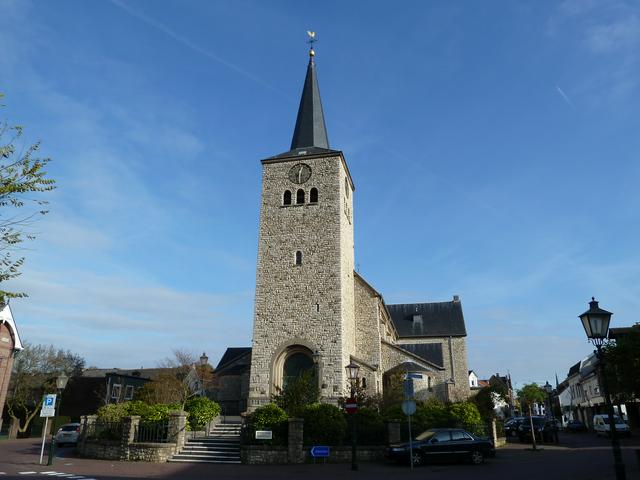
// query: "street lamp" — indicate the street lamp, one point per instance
point(596, 325)
point(352, 373)
point(61, 384)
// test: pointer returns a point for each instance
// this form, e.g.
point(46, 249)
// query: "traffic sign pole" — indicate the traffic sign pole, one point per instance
point(44, 437)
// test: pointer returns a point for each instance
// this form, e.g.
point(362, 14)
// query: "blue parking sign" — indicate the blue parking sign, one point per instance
point(49, 400)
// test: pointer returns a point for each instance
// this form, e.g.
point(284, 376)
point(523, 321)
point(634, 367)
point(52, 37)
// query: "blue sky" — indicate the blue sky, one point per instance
point(494, 148)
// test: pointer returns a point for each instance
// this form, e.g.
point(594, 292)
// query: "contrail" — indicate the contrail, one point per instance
point(189, 44)
point(564, 96)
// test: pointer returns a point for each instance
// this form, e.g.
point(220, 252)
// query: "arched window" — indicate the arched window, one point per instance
point(364, 382)
point(313, 195)
point(300, 197)
point(287, 198)
point(298, 257)
point(295, 365)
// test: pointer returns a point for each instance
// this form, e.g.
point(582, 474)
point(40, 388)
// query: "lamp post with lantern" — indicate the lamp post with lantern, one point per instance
point(352, 408)
point(61, 384)
point(596, 325)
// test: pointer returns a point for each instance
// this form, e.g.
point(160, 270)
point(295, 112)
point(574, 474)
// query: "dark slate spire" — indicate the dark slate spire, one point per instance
point(310, 129)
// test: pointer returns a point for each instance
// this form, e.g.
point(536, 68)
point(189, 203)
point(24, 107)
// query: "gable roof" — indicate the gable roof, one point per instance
point(231, 354)
point(574, 369)
point(431, 352)
point(439, 319)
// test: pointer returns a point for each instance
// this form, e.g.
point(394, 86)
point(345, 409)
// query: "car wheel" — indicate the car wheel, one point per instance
point(477, 457)
point(417, 459)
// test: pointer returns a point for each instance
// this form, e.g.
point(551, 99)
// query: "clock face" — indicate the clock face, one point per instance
point(300, 173)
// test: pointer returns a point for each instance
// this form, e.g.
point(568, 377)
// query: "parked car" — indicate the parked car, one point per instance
point(574, 426)
point(443, 445)
point(68, 434)
point(511, 426)
point(601, 425)
point(544, 428)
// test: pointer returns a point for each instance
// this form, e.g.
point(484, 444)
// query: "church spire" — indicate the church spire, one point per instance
point(310, 129)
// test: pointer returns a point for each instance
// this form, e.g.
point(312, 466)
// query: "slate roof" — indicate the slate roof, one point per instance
point(148, 373)
point(310, 130)
point(574, 369)
point(431, 352)
point(440, 319)
point(231, 354)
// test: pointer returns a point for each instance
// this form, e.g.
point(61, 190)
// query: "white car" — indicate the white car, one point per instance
point(601, 425)
point(68, 434)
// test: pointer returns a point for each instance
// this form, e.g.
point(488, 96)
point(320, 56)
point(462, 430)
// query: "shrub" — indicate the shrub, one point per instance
point(466, 415)
point(113, 412)
point(298, 393)
point(371, 428)
point(268, 417)
point(431, 414)
point(201, 411)
point(323, 424)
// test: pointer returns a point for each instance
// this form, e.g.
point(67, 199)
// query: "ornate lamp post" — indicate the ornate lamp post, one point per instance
point(596, 325)
point(61, 384)
point(352, 373)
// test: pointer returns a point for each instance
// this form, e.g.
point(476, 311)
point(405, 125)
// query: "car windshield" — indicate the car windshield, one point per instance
point(426, 435)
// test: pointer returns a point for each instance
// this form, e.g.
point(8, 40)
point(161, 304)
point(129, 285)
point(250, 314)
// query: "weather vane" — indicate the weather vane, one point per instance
point(311, 41)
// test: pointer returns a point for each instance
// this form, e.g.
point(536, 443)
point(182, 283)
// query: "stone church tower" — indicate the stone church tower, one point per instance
point(304, 303)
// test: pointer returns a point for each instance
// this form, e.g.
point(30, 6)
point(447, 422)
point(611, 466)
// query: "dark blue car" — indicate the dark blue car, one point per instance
point(443, 445)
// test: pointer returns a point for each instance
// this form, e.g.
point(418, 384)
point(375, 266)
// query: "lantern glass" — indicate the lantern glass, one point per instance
point(61, 381)
point(352, 371)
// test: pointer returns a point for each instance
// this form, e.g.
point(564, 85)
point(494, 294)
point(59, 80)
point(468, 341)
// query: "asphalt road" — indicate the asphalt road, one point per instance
point(579, 456)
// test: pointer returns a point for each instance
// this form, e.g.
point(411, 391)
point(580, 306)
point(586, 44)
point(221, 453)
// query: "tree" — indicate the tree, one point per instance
point(35, 370)
point(181, 379)
point(528, 395)
point(22, 175)
point(622, 364)
point(298, 393)
point(486, 400)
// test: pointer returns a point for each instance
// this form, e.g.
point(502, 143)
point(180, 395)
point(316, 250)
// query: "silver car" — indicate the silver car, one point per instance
point(68, 434)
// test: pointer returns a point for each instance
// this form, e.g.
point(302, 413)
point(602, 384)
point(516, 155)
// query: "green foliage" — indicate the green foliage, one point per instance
point(431, 413)
point(22, 174)
point(371, 427)
point(324, 424)
point(114, 412)
point(298, 394)
point(393, 393)
point(268, 417)
point(530, 394)
point(622, 364)
point(467, 416)
point(201, 411)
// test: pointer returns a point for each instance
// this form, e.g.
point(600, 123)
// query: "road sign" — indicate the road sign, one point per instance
point(408, 388)
point(319, 451)
point(49, 406)
point(409, 407)
point(351, 406)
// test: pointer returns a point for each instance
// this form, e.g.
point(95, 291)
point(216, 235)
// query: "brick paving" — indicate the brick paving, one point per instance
point(580, 456)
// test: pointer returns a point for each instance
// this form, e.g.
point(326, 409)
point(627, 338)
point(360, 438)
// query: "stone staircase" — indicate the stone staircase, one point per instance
point(222, 445)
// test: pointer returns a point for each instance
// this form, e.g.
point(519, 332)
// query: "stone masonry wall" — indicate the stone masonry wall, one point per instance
point(367, 336)
point(302, 304)
point(455, 363)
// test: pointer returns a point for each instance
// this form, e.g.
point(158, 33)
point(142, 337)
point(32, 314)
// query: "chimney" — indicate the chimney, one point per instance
point(456, 298)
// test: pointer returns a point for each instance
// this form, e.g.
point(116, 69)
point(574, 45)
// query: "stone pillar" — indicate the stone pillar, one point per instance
point(178, 428)
point(87, 428)
point(494, 432)
point(296, 432)
point(393, 431)
point(129, 425)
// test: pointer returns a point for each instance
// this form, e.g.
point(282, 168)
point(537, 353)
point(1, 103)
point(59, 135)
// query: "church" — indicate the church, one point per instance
point(312, 309)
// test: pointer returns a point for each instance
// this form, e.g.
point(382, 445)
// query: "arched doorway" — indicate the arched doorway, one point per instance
point(291, 363)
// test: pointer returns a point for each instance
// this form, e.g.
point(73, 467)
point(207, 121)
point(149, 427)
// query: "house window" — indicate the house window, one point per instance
point(313, 195)
point(116, 389)
point(286, 200)
point(128, 392)
point(298, 257)
point(300, 197)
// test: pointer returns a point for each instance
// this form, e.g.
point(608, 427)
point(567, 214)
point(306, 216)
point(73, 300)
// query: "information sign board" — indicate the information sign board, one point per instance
point(48, 406)
point(320, 451)
point(264, 435)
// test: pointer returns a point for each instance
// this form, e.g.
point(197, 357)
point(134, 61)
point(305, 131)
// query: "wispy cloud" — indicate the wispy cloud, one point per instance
point(564, 96)
point(193, 46)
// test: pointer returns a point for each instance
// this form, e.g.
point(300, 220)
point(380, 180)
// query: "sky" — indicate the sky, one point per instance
point(493, 145)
